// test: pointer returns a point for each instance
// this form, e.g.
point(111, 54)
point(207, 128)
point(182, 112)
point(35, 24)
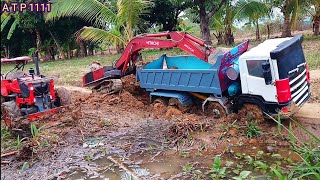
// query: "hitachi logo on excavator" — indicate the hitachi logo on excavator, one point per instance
point(155, 43)
point(188, 47)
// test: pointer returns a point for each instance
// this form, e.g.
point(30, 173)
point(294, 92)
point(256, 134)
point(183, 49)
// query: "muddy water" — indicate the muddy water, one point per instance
point(170, 163)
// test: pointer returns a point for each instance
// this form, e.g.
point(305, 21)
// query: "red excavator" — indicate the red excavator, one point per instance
point(126, 64)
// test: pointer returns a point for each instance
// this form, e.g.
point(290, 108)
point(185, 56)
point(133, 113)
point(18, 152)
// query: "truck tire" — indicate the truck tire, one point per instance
point(251, 112)
point(64, 96)
point(161, 100)
point(174, 102)
point(216, 110)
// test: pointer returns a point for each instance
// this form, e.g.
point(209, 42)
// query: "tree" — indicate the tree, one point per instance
point(105, 21)
point(34, 23)
point(289, 8)
point(253, 11)
point(315, 16)
point(165, 13)
point(206, 10)
point(217, 26)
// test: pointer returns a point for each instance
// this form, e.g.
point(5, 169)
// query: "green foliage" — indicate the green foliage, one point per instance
point(279, 123)
point(253, 130)
point(309, 153)
point(31, 51)
point(35, 132)
point(187, 168)
point(8, 142)
point(164, 14)
point(216, 170)
point(92, 11)
point(18, 142)
point(107, 23)
point(242, 175)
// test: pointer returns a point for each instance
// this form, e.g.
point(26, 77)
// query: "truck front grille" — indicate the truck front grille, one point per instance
point(298, 84)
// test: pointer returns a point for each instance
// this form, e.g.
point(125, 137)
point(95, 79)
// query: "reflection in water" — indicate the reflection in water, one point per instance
point(166, 164)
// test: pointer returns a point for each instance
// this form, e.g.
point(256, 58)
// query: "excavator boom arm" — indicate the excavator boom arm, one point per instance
point(184, 41)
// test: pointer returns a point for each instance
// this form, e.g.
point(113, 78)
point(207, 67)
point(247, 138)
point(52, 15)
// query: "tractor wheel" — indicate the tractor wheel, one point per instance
point(251, 112)
point(216, 110)
point(174, 102)
point(64, 95)
point(11, 112)
point(3, 99)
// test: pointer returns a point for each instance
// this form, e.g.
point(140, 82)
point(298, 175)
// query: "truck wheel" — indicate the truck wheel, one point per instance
point(161, 100)
point(64, 96)
point(216, 110)
point(252, 112)
point(174, 102)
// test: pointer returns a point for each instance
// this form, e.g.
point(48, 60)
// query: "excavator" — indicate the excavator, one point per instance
point(108, 77)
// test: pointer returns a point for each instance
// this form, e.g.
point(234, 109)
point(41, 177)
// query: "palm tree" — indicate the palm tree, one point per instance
point(290, 9)
point(242, 10)
point(253, 11)
point(110, 22)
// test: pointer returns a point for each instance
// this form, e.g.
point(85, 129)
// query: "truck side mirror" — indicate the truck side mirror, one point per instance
point(267, 73)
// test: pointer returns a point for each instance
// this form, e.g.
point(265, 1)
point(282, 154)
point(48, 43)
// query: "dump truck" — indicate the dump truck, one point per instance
point(272, 77)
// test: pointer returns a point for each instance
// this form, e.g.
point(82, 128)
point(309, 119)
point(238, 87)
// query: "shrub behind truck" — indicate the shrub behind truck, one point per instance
point(272, 76)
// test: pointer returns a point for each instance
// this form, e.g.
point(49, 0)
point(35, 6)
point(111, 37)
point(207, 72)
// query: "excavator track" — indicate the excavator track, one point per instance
point(109, 86)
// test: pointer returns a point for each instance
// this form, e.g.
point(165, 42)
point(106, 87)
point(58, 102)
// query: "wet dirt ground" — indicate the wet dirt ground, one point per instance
point(123, 136)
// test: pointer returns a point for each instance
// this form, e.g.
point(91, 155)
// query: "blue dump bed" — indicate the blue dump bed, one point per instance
point(190, 74)
point(180, 73)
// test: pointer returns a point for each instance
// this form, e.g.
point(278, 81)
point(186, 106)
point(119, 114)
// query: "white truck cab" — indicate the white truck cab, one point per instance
point(275, 76)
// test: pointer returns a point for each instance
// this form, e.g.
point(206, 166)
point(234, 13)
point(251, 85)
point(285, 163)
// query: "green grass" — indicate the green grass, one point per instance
point(311, 47)
point(71, 71)
point(8, 142)
point(313, 59)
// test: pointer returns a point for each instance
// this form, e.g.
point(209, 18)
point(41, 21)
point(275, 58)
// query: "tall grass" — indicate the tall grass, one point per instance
point(309, 153)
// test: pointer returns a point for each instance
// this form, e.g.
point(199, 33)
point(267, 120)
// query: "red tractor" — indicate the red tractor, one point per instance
point(29, 95)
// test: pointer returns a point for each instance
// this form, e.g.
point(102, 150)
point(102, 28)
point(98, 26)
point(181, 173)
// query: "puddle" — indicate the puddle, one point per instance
point(171, 163)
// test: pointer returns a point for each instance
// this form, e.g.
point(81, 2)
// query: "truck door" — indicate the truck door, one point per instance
point(256, 83)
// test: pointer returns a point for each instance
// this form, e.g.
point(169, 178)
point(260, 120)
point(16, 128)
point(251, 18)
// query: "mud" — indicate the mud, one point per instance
point(315, 90)
point(151, 141)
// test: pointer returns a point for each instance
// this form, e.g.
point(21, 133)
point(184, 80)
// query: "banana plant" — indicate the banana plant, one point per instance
point(6, 18)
